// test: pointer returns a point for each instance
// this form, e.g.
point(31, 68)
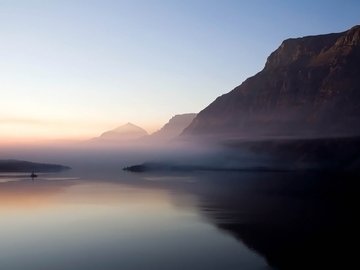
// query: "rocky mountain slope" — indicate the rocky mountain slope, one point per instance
point(309, 87)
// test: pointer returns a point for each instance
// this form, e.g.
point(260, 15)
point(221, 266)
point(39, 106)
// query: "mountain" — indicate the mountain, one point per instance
point(127, 132)
point(12, 165)
point(174, 127)
point(309, 87)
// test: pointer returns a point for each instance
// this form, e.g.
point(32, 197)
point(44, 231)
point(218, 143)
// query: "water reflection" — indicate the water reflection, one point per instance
point(294, 220)
point(118, 222)
point(178, 221)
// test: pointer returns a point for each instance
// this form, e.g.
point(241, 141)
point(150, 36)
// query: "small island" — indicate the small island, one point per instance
point(12, 165)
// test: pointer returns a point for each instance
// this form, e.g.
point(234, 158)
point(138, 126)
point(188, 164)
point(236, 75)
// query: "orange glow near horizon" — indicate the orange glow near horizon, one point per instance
point(27, 196)
point(15, 130)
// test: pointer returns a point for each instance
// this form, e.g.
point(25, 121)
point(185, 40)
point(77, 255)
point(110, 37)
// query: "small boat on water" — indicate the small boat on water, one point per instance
point(33, 175)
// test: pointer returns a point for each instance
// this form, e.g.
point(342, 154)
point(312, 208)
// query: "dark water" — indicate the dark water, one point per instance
point(178, 221)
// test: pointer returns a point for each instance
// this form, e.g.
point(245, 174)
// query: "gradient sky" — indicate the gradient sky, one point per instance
point(72, 69)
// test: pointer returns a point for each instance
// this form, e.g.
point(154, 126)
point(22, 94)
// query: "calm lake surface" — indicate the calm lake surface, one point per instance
point(192, 220)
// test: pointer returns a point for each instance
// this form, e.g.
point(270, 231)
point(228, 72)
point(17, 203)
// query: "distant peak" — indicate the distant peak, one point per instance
point(175, 126)
point(128, 126)
point(125, 132)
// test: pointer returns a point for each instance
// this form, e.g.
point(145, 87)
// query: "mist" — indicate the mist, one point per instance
point(190, 153)
point(102, 156)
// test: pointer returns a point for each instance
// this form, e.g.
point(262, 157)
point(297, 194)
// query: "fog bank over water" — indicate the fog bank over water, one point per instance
point(184, 154)
point(102, 156)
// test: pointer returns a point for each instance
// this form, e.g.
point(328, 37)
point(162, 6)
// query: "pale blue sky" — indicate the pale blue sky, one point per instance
point(76, 68)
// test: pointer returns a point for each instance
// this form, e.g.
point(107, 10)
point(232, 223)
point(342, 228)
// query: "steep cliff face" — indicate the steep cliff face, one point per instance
point(309, 87)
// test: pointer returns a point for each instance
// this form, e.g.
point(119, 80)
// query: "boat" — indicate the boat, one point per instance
point(33, 175)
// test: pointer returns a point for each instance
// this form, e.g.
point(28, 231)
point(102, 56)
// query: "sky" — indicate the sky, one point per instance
point(73, 69)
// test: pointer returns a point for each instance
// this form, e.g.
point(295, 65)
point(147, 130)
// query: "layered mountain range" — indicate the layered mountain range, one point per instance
point(301, 112)
point(309, 87)
point(133, 133)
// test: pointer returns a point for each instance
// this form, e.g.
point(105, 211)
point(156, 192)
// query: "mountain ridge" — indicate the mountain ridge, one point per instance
point(309, 87)
point(174, 127)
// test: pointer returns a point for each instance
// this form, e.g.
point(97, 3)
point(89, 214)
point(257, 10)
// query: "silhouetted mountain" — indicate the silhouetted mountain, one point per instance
point(12, 165)
point(173, 128)
point(309, 87)
point(127, 132)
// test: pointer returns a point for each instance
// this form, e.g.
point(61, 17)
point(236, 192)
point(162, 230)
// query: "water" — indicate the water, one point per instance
point(174, 221)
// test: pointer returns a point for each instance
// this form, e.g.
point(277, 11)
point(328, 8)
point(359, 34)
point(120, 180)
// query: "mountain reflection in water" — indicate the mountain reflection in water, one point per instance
point(178, 221)
point(296, 221)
